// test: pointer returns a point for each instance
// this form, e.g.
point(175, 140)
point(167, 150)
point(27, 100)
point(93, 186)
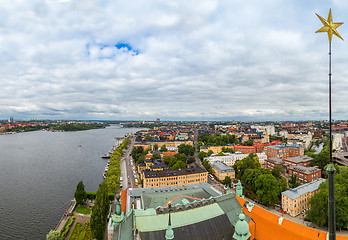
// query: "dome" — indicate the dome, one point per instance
point(241, 229)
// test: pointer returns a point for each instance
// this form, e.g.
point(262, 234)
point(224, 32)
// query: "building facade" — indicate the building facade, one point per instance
point(221, 171)
point(296, 201)
point(284, 150)
point(305, 174)
point(178, 177)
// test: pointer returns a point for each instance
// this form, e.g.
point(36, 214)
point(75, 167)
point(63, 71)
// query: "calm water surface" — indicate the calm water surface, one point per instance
point(39, 172)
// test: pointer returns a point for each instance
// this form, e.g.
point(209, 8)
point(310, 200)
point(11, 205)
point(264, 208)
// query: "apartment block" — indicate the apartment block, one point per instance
point(296, 201)
point(178, 177)
point(221, 170)
point(298, 161)
point(284, 150)
point(305, 174)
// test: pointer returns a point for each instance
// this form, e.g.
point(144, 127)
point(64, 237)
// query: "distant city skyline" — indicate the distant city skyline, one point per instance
point(197, 60)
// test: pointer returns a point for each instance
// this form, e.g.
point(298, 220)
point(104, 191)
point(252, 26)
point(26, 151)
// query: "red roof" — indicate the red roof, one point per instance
point(246, 147)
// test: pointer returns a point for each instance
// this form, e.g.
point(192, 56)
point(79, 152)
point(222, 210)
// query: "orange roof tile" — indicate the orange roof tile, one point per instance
point(267, 227)
point(124, 201)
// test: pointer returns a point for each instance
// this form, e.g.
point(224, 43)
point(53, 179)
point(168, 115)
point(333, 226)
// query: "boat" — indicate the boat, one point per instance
point(104, 175)
point(105, 156)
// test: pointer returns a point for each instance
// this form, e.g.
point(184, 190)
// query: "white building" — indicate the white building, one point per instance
point(270, 130)
point(337, 142)
point(230, 158)
point(283, 133)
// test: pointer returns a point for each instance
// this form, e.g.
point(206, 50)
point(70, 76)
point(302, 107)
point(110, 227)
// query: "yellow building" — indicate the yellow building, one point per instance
point(296, 201)
point(178, 177)
point(153, 165)
point(221, 170)
point(215, 149)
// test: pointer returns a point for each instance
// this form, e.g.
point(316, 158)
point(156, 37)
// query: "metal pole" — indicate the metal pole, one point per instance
point(331, 169)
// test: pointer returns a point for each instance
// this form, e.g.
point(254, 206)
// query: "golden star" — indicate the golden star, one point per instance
point(329, 26)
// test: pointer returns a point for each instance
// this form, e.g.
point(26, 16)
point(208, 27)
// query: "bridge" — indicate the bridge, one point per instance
point(341, 158)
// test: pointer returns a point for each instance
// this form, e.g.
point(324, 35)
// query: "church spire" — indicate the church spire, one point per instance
point(169, 231)
point(239, 190)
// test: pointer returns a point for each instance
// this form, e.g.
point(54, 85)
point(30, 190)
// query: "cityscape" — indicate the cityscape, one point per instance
point(189, 172)
point(199, 120)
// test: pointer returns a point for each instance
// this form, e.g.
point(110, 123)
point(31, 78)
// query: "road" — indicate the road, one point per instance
point(127, 167)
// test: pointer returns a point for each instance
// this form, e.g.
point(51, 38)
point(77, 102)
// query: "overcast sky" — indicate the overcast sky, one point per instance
point(176, 60)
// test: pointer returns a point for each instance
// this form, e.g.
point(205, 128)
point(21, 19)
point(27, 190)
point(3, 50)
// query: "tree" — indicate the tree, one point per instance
point(207, 166)
point(169, 160)
point(179, 165)
point(221, 154)
point(202, 155)
point(180, 157)
point(268, 189)
point(156, 156)
point(148, 138)
point(318, 213)
point(277, 171)
point(190, 160)
point(155, 147)
point(199, 144)
point(80, 193)
point(100, 212)
point(294, 181)
point(210, 152)
point(227, 181)
point(188, 150)
point(163, 148)
point(53, 235)
point(249, 162)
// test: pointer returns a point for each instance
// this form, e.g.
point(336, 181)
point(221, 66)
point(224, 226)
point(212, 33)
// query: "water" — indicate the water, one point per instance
point(39, 172)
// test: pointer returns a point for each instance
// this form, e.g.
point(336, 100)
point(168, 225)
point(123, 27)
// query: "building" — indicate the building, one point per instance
point(298, 161)
point(272, 162)
point(305, 174)
point(151, 164)
point(230, 158)
point(284, 150)
point(269, 226)
point(221, 170)
point(337, 142)
point(177, 177)
point(193, 213)
point(199, 212)
point(244, 149)
point(296, 201)
point(215, 149)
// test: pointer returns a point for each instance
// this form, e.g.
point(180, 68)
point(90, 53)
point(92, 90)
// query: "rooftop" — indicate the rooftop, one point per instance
point(275, 160)
point(299, 159)
point(285, 146)
point(172, 173)
point(221, 167)
point(305, 170)
point(303, 189)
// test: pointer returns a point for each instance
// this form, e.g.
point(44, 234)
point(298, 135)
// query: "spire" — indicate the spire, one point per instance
point(169, 231)
point(241, 229)
point(118, 205)
point(239, 190)
point(228, 190)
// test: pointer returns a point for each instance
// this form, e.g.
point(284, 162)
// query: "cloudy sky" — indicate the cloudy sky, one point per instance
point(176, 60)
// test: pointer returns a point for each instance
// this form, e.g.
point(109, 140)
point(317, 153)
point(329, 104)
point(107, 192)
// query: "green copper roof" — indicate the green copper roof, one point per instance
point(148, 220)
point(242, 228)
point(154, 200)
point(239, 189)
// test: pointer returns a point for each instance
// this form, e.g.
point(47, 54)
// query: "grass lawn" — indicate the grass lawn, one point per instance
point(81, 232)
point(83, 210)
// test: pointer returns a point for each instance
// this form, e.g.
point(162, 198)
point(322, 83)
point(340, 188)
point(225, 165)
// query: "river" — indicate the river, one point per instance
point(40, 171)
